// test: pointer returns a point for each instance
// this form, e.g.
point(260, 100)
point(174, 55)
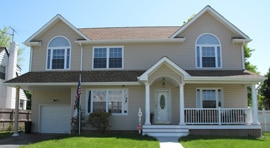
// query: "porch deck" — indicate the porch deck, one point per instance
point(212, 121)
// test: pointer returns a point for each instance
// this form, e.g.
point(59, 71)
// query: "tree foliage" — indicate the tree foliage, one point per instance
point(4, 37)
point(265, 90)
point(248, 65)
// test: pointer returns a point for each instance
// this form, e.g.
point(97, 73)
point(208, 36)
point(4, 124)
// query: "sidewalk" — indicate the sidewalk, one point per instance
point(169, 142)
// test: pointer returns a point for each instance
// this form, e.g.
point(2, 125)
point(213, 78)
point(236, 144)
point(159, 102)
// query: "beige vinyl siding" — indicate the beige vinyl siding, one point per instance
point(136, 100)
point(231, 53)
point(234, 95)
point(40, 53)
point(141, 56)
point(44, 96)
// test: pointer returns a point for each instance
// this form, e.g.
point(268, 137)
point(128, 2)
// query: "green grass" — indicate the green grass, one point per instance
point(4, 134)
point(225, 142)
point(100, 141)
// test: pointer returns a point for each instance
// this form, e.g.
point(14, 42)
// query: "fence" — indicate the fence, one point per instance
point(264, 118)
point(7, 118)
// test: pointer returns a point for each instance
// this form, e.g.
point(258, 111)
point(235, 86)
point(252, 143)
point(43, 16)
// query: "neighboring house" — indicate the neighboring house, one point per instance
point(191, 78)
point(8, 70)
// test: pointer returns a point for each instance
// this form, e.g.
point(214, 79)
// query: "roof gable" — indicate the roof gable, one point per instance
point(50, 24)
point(164, 60)
point(215, 15)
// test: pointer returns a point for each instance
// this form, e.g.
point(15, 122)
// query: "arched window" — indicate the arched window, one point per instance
point(58, 53)
point(208, 51)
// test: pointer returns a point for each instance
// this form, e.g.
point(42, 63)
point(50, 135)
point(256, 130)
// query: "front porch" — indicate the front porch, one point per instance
point(186, 100)
point(209, 121)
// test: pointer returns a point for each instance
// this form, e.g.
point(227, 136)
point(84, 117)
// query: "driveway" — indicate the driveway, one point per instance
point(25, 139)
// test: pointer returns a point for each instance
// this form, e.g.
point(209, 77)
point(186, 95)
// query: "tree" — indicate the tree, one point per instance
point(248, 65)
point(265, 90)
point(4, 37)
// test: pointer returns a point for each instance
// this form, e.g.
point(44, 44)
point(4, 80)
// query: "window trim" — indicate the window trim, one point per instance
point(208, 45)
point(107, 56)
point(58, 48)
point(107, 100)
point(201, 89)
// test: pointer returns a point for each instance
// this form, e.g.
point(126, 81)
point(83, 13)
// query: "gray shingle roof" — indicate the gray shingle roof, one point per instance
point(129, 32)
point(115, 76)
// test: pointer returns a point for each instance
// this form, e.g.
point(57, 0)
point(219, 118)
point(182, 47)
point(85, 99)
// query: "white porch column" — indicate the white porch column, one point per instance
point(182, 104)
point(254, 105)
point(147, 104)
point(16, 124)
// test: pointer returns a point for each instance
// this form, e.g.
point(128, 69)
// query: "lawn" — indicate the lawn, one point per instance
point(104, 141)
point(5, 134)
point(225, 142)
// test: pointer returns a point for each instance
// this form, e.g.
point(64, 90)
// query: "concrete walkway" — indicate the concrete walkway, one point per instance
point(169, 142)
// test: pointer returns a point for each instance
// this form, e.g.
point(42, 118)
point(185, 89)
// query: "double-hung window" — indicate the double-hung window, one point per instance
point(58, 53)
point(209, 98)
point(114, 101)
point(208, 52)
point(107, 57)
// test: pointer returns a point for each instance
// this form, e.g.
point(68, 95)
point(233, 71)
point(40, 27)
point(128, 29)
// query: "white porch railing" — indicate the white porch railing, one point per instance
point(220, 116)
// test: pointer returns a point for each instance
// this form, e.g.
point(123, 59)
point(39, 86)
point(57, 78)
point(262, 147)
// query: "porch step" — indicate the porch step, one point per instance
point(165, 130)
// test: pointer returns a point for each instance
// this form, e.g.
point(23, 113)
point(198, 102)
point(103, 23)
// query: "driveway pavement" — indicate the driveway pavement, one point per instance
point(24, 139)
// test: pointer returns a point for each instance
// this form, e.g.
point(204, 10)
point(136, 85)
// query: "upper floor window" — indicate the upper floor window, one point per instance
point(209, 98)
point(2, 72)
point(108, 57)
point(208, 52)
point(58, 53)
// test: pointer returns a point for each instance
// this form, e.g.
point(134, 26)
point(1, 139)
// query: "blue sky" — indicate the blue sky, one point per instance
point(27, 16)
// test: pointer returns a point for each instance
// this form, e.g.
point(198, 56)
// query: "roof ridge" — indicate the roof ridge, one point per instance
point(131, 27)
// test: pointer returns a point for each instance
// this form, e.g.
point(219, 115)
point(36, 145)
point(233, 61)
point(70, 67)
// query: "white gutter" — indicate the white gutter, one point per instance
point(176, 40)
point(227, 80)
point(71, 84)
point(34, 43)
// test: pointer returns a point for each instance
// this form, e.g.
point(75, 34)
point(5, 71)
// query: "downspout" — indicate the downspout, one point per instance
point(243, 55)
point(31, 54)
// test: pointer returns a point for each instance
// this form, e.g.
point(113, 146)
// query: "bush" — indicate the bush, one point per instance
point(99, 120)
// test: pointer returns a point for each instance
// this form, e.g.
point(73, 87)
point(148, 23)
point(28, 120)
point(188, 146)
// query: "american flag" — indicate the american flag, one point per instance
point(77, 98)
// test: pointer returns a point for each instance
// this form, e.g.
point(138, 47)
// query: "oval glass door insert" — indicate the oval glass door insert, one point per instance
point(162, 102)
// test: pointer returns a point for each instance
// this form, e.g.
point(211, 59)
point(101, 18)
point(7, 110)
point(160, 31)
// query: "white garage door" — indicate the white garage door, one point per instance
point(55, 119)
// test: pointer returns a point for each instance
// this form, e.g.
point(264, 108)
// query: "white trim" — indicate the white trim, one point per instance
point(222, 126)
point(172, 65)
point(107, 99)
point(72, 84)
point(217, 16)
point(58, 48)
point(169, 101)
point(216, 95)
point(224, 80)
point(107, 57)
point(208, 45)
point(49, 24)
point(176, 40)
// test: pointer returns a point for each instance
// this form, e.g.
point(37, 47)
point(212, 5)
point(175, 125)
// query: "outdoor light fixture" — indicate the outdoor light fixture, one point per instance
point(163, 83)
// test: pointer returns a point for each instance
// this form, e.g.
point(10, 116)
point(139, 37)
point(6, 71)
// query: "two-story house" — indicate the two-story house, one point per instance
point(186, 79)
point(8, 70)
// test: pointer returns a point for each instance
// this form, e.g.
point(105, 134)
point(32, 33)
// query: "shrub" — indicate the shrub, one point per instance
point(99, 120)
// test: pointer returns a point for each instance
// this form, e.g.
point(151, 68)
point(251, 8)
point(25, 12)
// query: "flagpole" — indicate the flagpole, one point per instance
point(79, 110)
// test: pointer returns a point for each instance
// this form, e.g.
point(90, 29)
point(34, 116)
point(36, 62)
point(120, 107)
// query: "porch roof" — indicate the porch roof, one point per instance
point(32, 78)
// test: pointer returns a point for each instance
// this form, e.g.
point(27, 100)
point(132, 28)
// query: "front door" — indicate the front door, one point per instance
point(162, 107)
